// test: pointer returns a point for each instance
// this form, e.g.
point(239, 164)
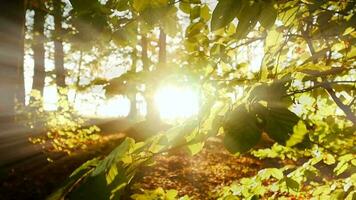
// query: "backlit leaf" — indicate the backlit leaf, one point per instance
point(224, 12)
point(241, 131)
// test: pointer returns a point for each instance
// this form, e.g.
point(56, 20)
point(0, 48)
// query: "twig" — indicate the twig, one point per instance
point(347, 110)
point(316, 86)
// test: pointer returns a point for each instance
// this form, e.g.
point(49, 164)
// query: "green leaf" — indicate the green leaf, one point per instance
point(195, 148)
point(115, 155)
point(329, 159)
point(171, 194)
point(273, 93)
point(268, 14)
point(205, 13)
point(80, 172)
point(84, 167)
point(291, 183)
point(267, 173)
point(184, 7)
point(94, 187)
point(241, 132)
point(224, 12)
point(299, 131)
point(288, 16)
point(194, 29)
point(279, 123)
point(247, 19)
point(194, 12)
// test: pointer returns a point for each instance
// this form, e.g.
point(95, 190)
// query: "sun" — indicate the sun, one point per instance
point(176, 103)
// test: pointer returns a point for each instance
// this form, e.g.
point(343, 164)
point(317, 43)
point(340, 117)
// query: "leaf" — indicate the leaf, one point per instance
point(299, 131)
point(279, 123)
point(351, 196)
point(329, 159)
point(115, 155)
point(205, 13)
point(84, 167)
point(268, 14)
point(291, 183)
point(268, 172)
point(289, 16)
point(241, 132)
point(195, 148)
point(224, 12)
point(169, 22)
point(94, 187)
point(184, 7)
point(77, 174)
point(272, 93)
point(194, 29)
point(348, 30)
point(194, 12)
point(247, 19)
point(171, 194)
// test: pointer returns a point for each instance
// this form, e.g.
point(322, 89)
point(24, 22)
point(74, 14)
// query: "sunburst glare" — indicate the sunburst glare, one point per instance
point(176, 103)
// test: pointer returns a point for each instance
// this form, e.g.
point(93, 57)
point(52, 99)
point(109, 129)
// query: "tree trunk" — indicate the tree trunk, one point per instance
point(12, 17)
point(144, 55)
point(58, 45)
point(152, 112)
point(162, 56)
point(39, 51)
point(132, 95)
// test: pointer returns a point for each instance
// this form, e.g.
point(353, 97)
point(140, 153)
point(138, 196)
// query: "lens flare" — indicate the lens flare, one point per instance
point(176, 103)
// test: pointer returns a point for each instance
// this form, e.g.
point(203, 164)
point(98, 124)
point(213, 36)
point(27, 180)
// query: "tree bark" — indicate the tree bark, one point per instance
point(58, 44)
point(12, 17)
point(162, 57)
point(144, 55)
point(39, 51)
point(152, 112)
point(132, 94)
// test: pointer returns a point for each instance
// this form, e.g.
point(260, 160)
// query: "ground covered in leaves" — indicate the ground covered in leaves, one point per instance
point(198, 176)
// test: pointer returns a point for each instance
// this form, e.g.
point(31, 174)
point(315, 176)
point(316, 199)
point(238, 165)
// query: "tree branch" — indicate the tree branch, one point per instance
point(347, 110)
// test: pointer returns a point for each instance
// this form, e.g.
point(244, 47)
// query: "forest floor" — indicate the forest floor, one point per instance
point(199, 176)
point(209, 170)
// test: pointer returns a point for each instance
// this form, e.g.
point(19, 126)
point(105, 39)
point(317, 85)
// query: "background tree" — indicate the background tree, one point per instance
point(38, 47)
point(11, 57)
point(58, 43)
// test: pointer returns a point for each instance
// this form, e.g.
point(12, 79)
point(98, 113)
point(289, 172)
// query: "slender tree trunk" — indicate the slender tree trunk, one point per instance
point(152, 112)
point(11, 57)
point(77, 82)
point(39, 51)
point(20, 91)
point(144, 56)
point(58, 44)
point(132, 95)
point(162, 56)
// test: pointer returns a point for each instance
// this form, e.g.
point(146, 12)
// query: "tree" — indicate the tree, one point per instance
point(58, 44)
point(133, 91)
point(38, 50)
point(12, 15)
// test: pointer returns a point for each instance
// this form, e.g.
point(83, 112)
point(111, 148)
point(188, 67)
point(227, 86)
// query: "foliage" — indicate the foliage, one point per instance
point(159, 193)
point(64, 130)
point(306, 181)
